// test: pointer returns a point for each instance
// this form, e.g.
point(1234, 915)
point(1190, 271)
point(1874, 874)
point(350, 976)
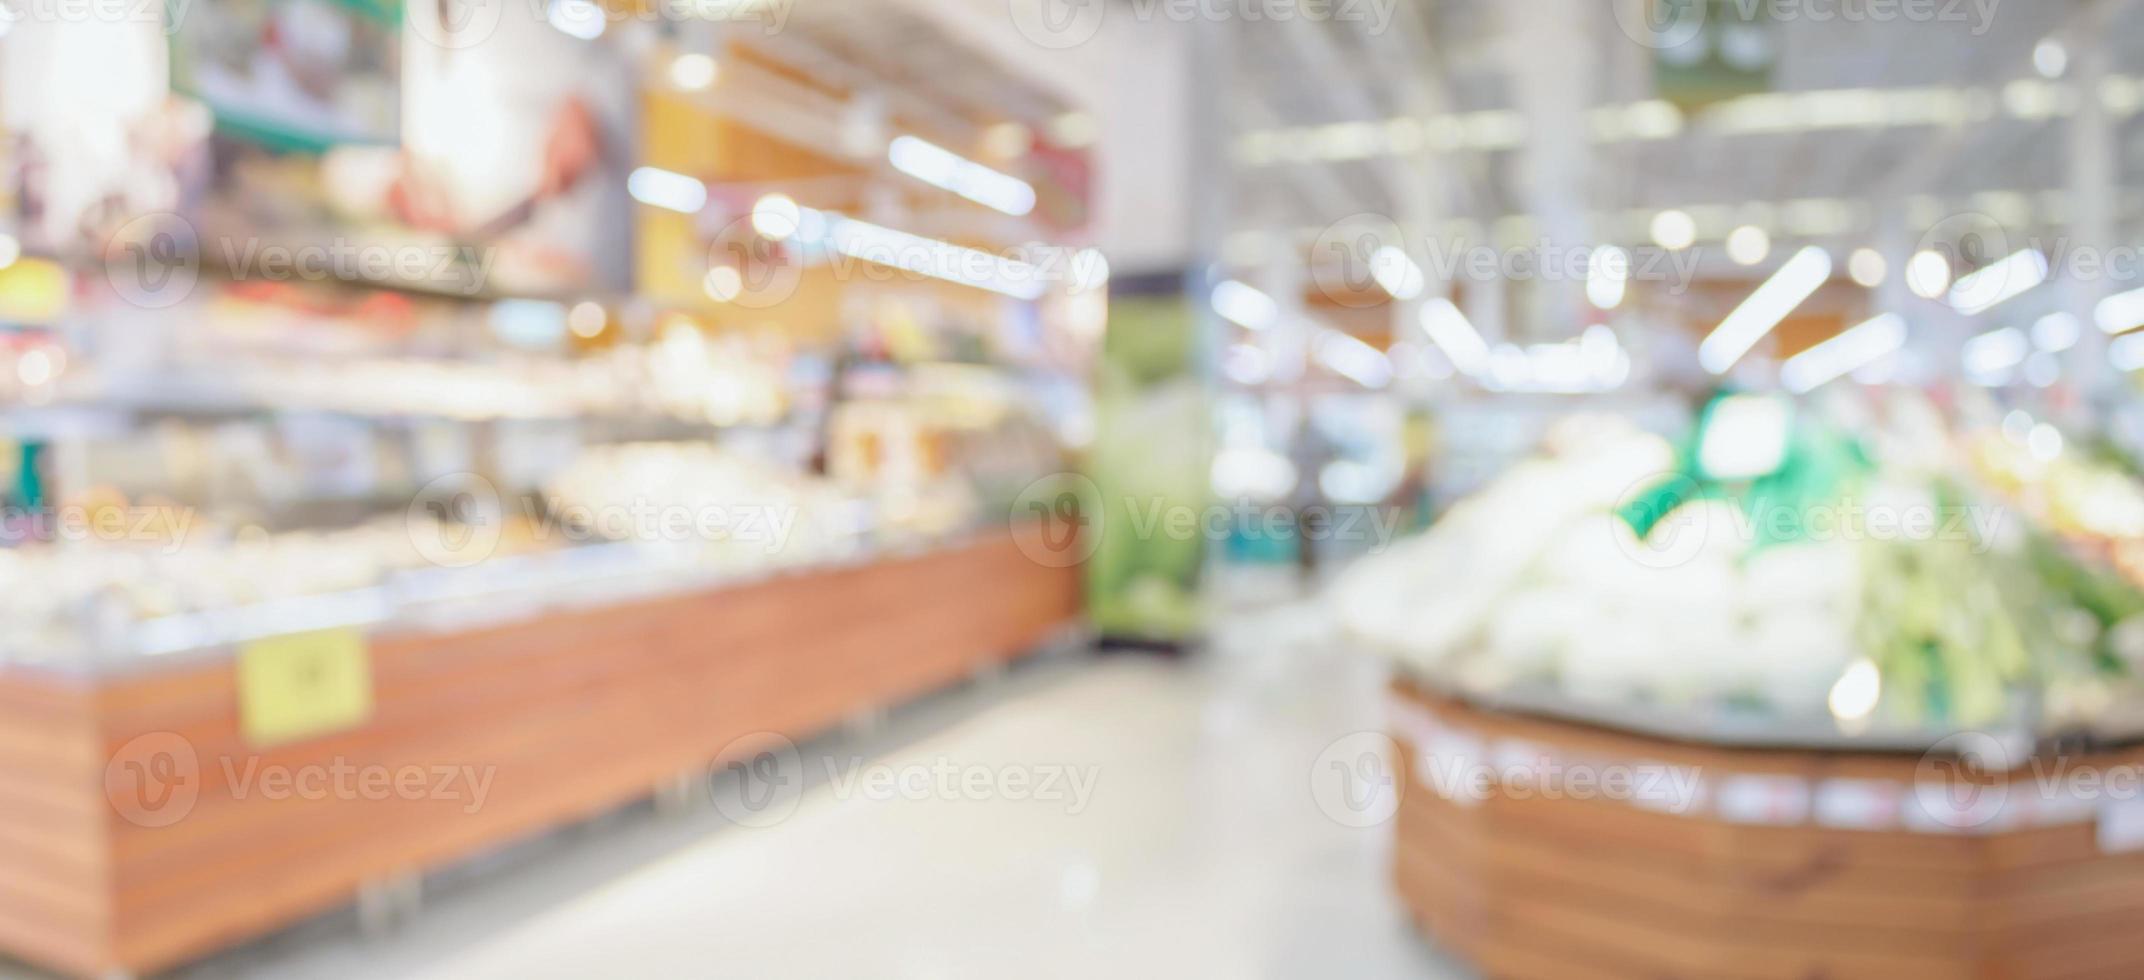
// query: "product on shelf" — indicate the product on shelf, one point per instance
point(1766, 571)
point(702, 504)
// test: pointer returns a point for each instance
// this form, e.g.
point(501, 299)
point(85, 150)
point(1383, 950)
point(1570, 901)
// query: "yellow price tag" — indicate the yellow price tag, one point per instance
point(301, 685)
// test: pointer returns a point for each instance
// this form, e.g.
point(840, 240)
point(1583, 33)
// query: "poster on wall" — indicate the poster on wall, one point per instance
point(94, 135)
point(398, 145)
point(294, 74)
point(517, 135)
point(1151, 457)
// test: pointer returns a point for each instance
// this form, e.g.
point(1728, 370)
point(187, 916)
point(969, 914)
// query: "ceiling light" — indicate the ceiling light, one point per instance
point(776, 217)
point(667, 189)
point(1008, 140)
point(1999, 282)
point(693, 72)
point(1450, 331)
point(1748, 245)
point(723, 283)
point(1244, 306)
point(2127, 353)
point(2120, 312)
point(931, 257)
point(1607, 277)
point(1788, 288)
point(1400, 277)
point(586, 319)
point(583, 19)
point(1868, 267)
point(1989, 357)
point(942, 168)
point(1355, 360)
point(2050, 58)
point(1674, 230)
point(2056, 332)
point(1928, 274)
point(1074, 130)
point(1844, 354)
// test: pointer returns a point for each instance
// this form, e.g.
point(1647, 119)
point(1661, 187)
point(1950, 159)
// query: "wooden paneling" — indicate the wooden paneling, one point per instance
point(1536, 887)
point(571, 714)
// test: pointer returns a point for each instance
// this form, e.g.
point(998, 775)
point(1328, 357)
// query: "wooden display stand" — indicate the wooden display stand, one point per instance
point(1786, 865)
point(125, 848)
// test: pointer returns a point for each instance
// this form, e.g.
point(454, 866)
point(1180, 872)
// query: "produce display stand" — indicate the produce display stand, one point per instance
point(125, 846)
point(1679, 858)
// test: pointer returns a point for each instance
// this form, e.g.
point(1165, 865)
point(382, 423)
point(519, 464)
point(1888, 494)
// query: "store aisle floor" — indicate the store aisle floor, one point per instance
point(1181, 839)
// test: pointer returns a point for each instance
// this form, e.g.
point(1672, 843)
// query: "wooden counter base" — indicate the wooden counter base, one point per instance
point(1751, 877)
point(139, 831)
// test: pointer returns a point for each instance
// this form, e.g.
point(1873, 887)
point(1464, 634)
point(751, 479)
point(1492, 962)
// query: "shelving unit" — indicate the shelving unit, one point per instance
point(139, 845)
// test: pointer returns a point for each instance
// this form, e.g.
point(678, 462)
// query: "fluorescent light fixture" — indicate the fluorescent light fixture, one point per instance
point(2056, 332)
point(583, 19)
point(1851, 350)
point(2121, 312)
point(936, 259)
point(2005, 279)
point(1788, 288)
point(1868, 267)
point(1400, 277)
point(2127, 353)
point(1355, 360)
point(1244, 306)
point(1989, 355)
point(942, 168)
point(1451, 332)
point(667, 189)
point(1607, 276)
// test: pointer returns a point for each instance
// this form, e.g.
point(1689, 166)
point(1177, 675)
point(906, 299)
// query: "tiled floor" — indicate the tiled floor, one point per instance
point(1191, 843)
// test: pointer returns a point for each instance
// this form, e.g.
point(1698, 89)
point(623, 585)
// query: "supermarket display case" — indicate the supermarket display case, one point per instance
point(1589, 851)
point(1650, 730)
point(347, 433)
